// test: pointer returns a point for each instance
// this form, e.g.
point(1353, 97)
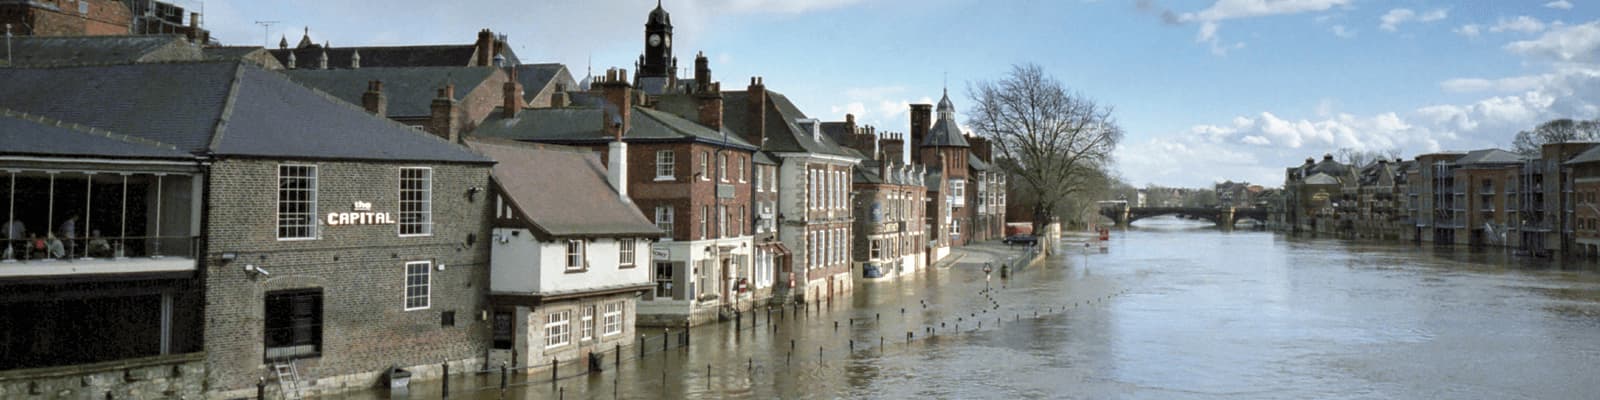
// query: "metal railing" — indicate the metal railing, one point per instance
point(51, 248)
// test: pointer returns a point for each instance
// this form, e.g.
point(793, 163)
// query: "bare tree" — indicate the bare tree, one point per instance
point(1556, 131)
point(1358, 159)
point(1058, 138)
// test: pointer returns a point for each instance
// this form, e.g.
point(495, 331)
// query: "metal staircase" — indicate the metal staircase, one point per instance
point(288, 379)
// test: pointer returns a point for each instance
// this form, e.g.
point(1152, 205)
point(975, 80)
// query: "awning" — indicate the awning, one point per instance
point(778, 247)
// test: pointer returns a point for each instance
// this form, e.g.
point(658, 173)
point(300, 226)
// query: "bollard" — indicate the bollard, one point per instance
point(618, 361)
point(502, 376)
point(880, 342)
point(555, 370)
point(444, 391)
point(751, 366)
point(664, 344)
point(819, 354)
point(877, 316)
point(614, 381)
point(908, 337)
point(791, 344)
point(852, 345)
point(641, 347)
point(980, 324)
point(708, 375)
point(261, 388)
point(835, 326)
point(902, 310)
point(561, 393)
point(788, 357)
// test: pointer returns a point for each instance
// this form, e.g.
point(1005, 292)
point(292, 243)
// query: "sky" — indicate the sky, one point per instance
point(1207, 90)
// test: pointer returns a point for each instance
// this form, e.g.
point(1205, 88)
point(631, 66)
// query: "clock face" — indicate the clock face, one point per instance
point(655, 40)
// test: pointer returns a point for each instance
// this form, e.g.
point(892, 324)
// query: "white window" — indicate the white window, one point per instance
point(722, 220)
point(875, 249)
point(761, 175)
point(625, 252)
point(297, 201)
point(722, 167)
point(666, 160)
point(557, 328)
point(575, 255)
point(772, 179)
point(613, 319)
point(705, 170)
point(958, 193)
point(705, 212)
point(811, 190)
point(416, 201)
point(585, 323)
point(739, 226)
point(664, 219)
point(418, 284)
point(740, 165)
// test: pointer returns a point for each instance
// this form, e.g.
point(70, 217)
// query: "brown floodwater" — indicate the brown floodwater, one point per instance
point(1166, 310)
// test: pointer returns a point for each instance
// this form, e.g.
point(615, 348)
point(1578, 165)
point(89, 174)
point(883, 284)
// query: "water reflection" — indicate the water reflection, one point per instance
point(1188, 312)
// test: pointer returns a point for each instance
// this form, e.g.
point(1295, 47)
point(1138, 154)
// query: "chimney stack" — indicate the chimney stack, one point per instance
point(921, 121)
point(619, 103)
point(442, 120)
point(893, 147)
point(511, 92)
point(756, 106)
point(560, 98)
point(710, 105)
point(374, 100)
point(485, 48)
point(702, 72)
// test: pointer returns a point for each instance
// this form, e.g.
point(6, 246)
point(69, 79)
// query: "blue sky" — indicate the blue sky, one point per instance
point(1207, 89)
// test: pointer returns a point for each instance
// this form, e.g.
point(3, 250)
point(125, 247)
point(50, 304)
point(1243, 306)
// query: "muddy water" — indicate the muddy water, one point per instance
point(1168, 309)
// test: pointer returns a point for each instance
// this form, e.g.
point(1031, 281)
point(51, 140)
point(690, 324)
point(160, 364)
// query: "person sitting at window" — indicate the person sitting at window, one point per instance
point(98, 247)
point(36, 246)
point(54, 248)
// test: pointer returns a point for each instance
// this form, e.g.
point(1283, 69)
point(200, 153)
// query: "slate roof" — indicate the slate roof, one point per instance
point(867, 172)
point(763, 158)
point(945, 133)
point(536, 77)
point(1489, 156)
point(219, 108)
point(1587, 156)
point(221, 53)
point(586, 204)
point(575, 125)
point(42, 51)
point(409, 91)
point(783, 134)
point(976, 164)
point(1321, 179)
point(444, 55)
point(35, 135)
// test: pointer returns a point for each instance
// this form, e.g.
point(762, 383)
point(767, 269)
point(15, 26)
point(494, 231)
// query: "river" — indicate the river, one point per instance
point(1169, 309)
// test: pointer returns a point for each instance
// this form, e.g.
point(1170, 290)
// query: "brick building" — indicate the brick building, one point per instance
point(306, 254)
point(489, 50)
point(692, 177)
point(567, 265)
point(887, 197)
point(443, 100)
point(66, 17)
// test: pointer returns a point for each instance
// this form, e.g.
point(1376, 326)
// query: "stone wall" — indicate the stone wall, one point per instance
point(168, 376)
point(359, 268)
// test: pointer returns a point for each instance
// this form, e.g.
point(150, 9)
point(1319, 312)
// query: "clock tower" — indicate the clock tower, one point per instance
point(657, 60)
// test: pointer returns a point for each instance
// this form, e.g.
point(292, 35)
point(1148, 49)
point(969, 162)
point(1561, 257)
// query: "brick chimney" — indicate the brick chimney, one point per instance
point(893, 144)
point(921, 121)
point(511, 93)
point(710, 106)
point(702, 73)
point(980, 147)
point(485, 48)
point(850, 123)
point(560, 98)
point(619, 102)
point(442, 120)
point(374, 100)
point(756, 105)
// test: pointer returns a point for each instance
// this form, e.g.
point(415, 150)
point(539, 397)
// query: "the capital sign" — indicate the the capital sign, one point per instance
point(361, 214)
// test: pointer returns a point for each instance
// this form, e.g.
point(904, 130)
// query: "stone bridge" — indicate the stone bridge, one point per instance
point(1222, 216)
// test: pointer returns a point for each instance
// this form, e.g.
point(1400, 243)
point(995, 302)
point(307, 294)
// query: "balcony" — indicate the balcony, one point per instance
point(95, 224)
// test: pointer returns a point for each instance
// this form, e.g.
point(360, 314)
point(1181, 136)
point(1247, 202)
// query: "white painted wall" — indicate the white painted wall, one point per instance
point(520, 263)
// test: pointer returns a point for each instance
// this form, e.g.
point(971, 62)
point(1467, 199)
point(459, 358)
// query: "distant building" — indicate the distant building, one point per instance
point(490, 50)
point(66, 17)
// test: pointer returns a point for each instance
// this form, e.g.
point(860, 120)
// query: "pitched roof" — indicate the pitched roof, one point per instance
point(42, 51)
point(219, 108)
point(976, 164)
point(536, 77)
point(1489, 156)
point(585, 205)
point(1587, 156)
point(1321, 179)
point(582, 125)
point(35, 135)
point(444, 55)
point(945, 133)
point(409, 91)
point(784, 134)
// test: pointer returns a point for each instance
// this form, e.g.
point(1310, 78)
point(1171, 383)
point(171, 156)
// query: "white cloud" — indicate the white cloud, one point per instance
point(1341, 31)
point(1559, 5)
point(1521, 23)
point(1580, 43)
point(1511, 84)
point(1211, 17)
point(1392, 20)
point(1468, 30)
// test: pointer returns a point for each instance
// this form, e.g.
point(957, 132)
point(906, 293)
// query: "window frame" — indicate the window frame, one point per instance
point(580, 255)
point(427, 204)
point(612, 316)
point(659, 279)
point(705, 168)
point(627, 252)
point(314, 328)
point(426, 293)
point(585, 323)
point(669, 163)
point(314, 228)
point(665, 224)
point(554, 328)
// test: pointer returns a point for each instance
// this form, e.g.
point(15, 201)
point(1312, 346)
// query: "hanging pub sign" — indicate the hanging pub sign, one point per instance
point(361, 214)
